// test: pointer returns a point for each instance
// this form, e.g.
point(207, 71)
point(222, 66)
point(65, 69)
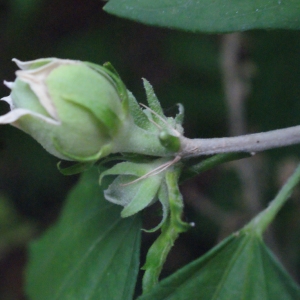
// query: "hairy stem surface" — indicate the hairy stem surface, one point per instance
point(250, 143)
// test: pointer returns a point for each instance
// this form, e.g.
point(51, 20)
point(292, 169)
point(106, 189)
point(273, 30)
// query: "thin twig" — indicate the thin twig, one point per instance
point(250, 143)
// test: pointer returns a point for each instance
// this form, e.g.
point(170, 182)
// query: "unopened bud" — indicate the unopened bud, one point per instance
point(72, 109)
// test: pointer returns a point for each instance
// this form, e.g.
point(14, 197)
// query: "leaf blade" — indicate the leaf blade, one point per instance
point(91, 252)
point(210, 16)
point(231, 270)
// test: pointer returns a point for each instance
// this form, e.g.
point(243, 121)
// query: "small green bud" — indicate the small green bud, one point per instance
point(169, 141)
point(74, 110)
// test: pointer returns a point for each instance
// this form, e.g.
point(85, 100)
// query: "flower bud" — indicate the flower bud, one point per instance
point(73, 109)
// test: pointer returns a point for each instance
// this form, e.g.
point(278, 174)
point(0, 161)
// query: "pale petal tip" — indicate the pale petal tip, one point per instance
point(18, 63)
point(8, 100)
point(16, 60)
point(26, 65)
point(9, 84)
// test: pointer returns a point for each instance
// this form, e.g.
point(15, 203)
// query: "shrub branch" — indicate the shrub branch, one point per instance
point(250, 143)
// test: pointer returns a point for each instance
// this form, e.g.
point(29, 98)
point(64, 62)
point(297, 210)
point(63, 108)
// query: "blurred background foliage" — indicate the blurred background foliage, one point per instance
point(182, 67)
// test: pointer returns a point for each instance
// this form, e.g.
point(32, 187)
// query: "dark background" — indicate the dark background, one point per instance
point(182, 67)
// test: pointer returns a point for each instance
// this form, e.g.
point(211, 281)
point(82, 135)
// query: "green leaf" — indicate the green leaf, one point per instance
point(91, 253)
point(210, 15)
point(241, 267)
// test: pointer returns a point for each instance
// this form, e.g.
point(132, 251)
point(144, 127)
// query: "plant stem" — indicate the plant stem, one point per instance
point(263, 219)
point(190, 171)
point(250, 143)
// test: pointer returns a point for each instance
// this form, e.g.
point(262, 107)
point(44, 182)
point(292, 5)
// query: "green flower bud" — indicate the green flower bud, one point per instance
point(73, 109)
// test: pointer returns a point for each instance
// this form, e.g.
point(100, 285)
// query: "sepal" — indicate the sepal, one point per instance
point(137, 186)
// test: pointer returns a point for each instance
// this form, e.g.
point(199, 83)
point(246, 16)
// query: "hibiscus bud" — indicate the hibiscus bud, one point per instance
point(73, 109)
